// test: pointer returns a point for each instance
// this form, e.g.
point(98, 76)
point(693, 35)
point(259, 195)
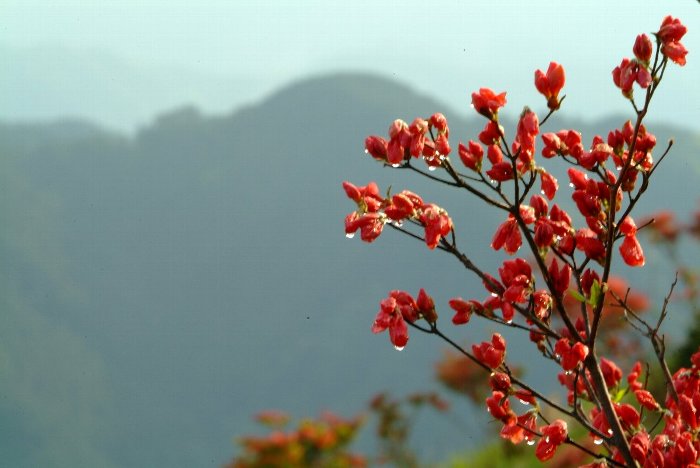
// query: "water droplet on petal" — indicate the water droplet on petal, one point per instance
point(619, 168)
point(366, 151)
point(350, 235)
point(399, 348)
point(546, 440)
point(597, 441)
point(509, 321)
point(571, 184)
point(396, 165)
point(398, 223)
point(526, 403)
point(432, 168)
point(542, 192)
point(530, 442)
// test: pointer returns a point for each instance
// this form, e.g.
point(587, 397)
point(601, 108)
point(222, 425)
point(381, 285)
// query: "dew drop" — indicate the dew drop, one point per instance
point(350, 235)
point(526, 403)
point(432, 168)
point(366, 151)
point(397, 223)
point(508, 322)
point(542, 192)
point(571, 184)
point(442, 157)
point(619, 168)
point(399, 348)
point(546, 440)
point(568, 372)
point(396, 165)
point(597, 441)
point(494, 295)
point(530, 442)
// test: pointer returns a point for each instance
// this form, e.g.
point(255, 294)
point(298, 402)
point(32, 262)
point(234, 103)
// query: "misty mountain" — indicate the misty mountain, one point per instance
point(45, 83)
point(160, 289)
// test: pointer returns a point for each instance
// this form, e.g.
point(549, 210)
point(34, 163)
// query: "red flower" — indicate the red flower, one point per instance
point(471, 155)
point(676, 52)
point(491, 133)
point(670, 34)
point(508, 236)
point(552, 437)
point(501, 171)
point(369, 224)
point(571, 356)
point(390, 317)
point(486, 102)
point(560, 277)
point(491, 354)
point(499, 406)
point(376, 146)
point(642, 48)
point(646, 399)
point(437, 224)
point(463, 309)
point(426, 306)
point(611, 373)
point(630, 249)
point(550, 84)
point(549, 184)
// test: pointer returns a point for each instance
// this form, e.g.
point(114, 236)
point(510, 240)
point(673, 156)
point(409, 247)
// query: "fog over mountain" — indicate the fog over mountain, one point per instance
point(159, 289)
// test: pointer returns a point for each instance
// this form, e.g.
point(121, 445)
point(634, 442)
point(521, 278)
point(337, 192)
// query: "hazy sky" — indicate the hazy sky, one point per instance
point(445, 49)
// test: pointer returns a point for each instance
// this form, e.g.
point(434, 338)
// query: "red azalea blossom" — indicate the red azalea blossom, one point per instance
point(437, 224)
point(646, 399)
point(550, 84)
point(486, 102)
point(642, 48)
point(507, 236)
point(471, 155)
point(463, 310)
point(571, 356)
point(491, 354)
point(670, 34)
point(552, 437)
point(393, 313)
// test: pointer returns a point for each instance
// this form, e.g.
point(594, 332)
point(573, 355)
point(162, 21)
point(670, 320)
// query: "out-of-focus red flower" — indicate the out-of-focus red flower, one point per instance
point(611, 372)
point(550, 84)
point(486, 102)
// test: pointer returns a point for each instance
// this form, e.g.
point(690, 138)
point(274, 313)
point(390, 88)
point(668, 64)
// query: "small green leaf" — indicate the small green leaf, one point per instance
point(595, 294)
point(577, 295)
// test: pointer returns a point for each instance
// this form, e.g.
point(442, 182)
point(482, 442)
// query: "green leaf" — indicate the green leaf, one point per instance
point(577, 295)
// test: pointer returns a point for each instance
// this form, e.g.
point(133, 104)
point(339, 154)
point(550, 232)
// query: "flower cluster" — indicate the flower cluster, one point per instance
point(563, 293)
point(314, 442)
point(374, 211)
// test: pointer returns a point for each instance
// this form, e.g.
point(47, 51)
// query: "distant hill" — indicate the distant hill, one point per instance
point(158, 290)
point(44, 83)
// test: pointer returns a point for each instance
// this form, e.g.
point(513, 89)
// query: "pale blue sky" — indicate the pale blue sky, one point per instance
point(445, 49)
